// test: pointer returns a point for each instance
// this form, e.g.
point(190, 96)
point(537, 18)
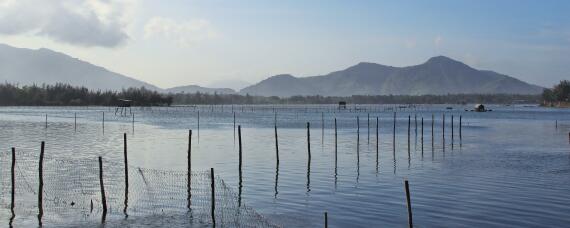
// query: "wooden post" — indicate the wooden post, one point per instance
point(133, 123)
point(416, 125)
point(189, 170)
point(309, 140)
point(198, 120)
point(41, 182)
point(75, 121)
point(213, 195)
point(422, 136)
point(368, 125)
point(126, 173)
point(322, 128)
point(103, 122)
point(13, 178)
point(452, 130)
point(46, 121)
point(240, 154)
point(357, 136)
point(443, 128)
point(460, 128)
point(335, 145)
point(377, 142)
point(432, 131)
point(326, 220)
point(276, 145)
point(394, 136)
point(409, 126)
point(409, 204)
point(234, 126)
point(103, 199)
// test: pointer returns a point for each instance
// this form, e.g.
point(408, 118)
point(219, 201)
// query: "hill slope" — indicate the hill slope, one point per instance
point(44, 66)
point(439, 75)
point(196, 89)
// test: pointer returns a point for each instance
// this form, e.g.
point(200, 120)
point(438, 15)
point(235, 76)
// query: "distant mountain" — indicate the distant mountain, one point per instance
point(195, 89)
point(234, 84)
point(44, 66)
point(439, 75)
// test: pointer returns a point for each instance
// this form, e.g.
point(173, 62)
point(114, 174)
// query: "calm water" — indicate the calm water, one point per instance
point(510, 169)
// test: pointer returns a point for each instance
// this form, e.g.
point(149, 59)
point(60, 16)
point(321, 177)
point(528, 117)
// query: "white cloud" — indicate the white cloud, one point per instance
point(77, 22)
point(184, 33)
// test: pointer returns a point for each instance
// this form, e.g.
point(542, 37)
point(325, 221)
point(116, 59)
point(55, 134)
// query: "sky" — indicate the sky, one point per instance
point(205, 42)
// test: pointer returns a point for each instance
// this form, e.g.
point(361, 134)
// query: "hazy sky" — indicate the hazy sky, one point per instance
point(180, 42)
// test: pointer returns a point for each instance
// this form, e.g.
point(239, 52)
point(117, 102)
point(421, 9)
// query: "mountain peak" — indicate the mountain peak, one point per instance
point(442, 59)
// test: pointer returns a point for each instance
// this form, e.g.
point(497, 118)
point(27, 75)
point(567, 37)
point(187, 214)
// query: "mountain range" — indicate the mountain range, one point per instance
point(439, 75)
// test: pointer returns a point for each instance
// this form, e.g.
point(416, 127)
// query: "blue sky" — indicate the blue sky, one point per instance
point(180, 42)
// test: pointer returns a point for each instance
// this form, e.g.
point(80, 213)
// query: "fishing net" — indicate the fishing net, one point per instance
point(72, 194)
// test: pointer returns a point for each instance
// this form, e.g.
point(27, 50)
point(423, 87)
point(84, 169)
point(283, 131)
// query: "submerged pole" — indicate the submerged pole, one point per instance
point(326, 220)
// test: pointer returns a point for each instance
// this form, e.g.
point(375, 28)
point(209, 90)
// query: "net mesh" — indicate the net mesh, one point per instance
point(72, 194)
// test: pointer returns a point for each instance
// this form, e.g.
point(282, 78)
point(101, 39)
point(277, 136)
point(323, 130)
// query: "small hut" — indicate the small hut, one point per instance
point(123, 105)
point(341, 105)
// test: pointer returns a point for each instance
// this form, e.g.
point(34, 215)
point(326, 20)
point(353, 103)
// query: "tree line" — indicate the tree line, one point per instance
point(67, 95)
point(201, 98)
point(559, 93)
